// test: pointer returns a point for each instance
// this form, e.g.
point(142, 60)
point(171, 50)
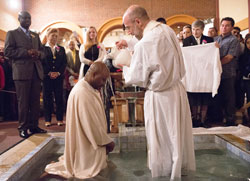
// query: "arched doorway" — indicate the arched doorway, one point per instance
point(178, 21)
point(108, 26)
point(66, 28)
point(180, 18)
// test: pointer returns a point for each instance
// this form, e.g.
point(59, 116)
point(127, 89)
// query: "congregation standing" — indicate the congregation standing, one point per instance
point(51, 68)
point(221, 108)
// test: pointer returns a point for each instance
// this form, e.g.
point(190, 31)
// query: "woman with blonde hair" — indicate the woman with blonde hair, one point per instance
point(90, 52)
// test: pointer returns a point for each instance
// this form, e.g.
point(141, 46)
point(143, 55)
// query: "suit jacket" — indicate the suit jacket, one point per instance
point(71, 66)
point(17, 44)
point(54, 65)
point(190, 41)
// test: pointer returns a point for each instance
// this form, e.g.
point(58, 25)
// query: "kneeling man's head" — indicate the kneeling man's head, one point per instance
point(97, 75)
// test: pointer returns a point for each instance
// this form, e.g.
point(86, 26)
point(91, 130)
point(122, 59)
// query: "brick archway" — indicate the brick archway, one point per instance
point(108, 26)
point(180, 18)
point(62, 24)
point(116, 23)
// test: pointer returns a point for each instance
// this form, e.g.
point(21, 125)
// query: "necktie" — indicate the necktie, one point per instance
point(28, 34)
point(198, 40)
point(74, 56)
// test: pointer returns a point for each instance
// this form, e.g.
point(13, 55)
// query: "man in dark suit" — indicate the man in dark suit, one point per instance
point(198, 101)
point(25, 49)
point(197, 37)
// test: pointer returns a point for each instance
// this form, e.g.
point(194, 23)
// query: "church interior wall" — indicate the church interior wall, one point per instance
point(96, 12)
point(8, 14)
point(232, 8)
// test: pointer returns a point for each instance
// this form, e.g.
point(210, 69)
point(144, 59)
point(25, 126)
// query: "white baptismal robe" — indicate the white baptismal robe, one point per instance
point(85, 137)
point(157, 65)
point(203, 68)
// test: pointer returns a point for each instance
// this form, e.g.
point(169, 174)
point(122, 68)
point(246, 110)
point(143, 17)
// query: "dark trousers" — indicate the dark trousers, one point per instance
point(224, 101)
point(28, 97)
point(239, 94)
point(10, 105)
point(246, 90)
point(53, 88)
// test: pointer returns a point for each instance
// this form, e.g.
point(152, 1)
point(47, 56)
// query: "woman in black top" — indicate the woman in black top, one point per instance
point(91, 51)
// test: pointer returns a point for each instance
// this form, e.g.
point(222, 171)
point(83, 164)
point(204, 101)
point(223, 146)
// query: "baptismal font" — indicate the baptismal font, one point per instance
point(127, 104)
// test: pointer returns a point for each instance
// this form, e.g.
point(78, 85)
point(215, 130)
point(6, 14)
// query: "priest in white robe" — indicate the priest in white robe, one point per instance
point(157, 65)
point(86, 140)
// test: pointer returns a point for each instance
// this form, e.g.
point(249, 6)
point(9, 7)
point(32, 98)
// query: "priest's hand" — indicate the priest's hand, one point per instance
point(120, 66)
point(121, 44)
point(110, 147)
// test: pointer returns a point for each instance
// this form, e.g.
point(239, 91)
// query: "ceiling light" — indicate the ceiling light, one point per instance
point(14, 4)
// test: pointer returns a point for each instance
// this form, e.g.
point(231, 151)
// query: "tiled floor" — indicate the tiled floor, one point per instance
point(9, 135)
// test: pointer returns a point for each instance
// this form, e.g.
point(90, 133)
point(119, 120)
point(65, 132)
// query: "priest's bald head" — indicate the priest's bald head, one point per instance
point(135, 20)
point(97, 75)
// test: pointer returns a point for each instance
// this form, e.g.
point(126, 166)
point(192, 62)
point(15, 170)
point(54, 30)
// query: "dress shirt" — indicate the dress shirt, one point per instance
point(53, 49)
point(27, 32)
point(198, 40)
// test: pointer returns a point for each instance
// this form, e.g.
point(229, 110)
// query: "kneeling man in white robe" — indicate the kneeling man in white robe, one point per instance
point(157, 65)
point(86, 140)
